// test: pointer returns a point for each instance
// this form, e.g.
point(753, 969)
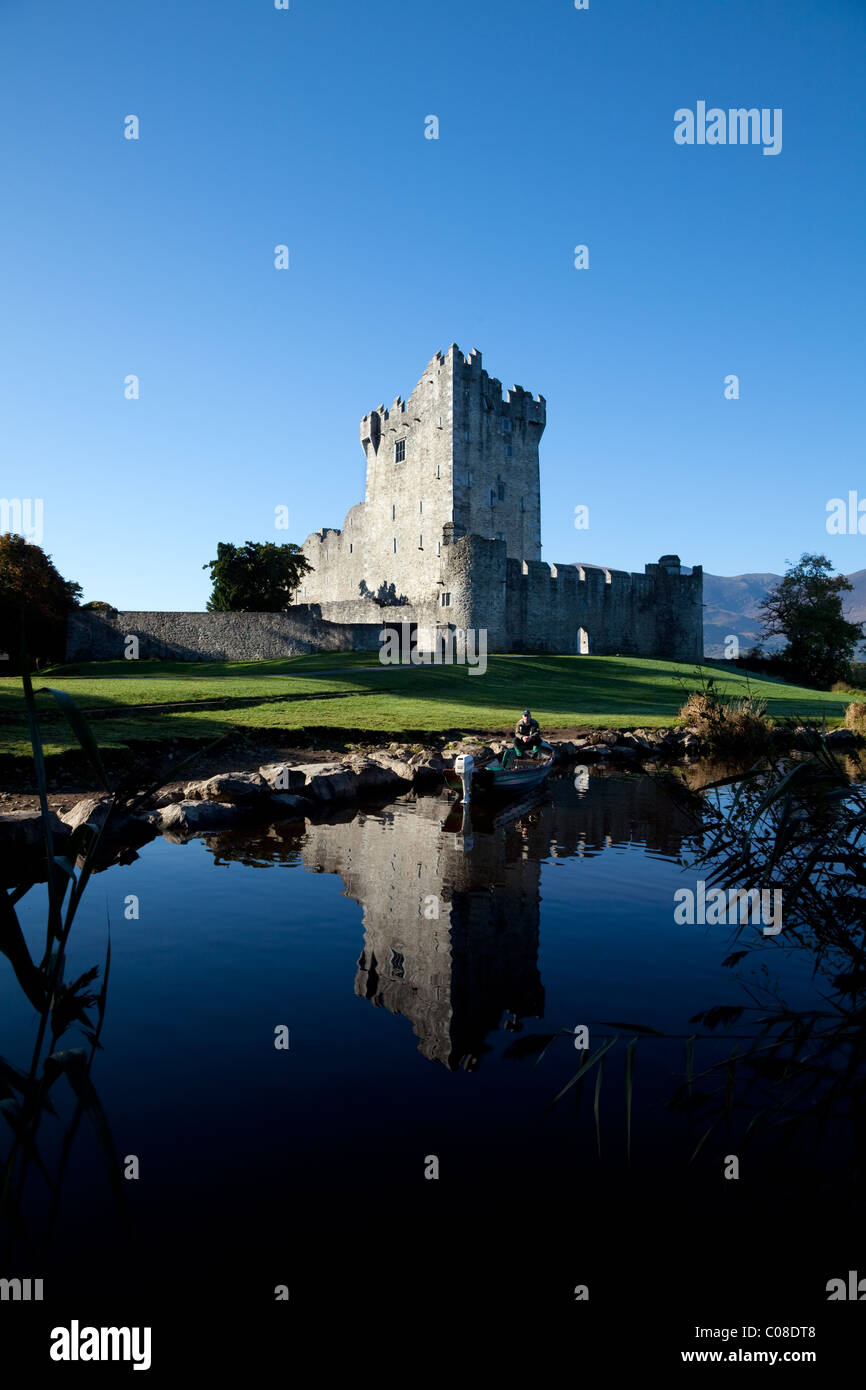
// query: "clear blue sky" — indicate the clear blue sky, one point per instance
point(306, 127)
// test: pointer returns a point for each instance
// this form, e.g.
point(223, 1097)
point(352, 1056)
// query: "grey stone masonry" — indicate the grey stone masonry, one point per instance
point(448, 537)
point(449, 534)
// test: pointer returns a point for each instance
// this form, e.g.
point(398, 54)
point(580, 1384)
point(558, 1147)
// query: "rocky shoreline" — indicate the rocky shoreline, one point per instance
point(294, 789)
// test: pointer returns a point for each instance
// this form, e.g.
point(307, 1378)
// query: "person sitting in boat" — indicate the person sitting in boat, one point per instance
point(527, 736)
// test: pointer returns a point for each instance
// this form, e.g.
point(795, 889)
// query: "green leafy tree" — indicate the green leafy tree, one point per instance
point(806, 608)
point(34, 602)
point(259, 577)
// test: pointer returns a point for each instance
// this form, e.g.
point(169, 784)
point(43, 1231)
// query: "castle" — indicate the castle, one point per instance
point(449, 535)
point(447, 540)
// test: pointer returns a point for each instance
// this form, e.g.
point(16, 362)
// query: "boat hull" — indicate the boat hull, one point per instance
point(513, 781)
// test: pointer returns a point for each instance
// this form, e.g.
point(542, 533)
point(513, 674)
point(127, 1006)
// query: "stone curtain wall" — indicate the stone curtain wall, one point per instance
point(522, 606)
point(535, 607)
point(215, 636)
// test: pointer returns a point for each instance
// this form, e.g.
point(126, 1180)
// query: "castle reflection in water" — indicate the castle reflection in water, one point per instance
point(451, 901)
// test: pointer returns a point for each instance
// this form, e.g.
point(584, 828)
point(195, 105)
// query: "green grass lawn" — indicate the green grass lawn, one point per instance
point(562, 691)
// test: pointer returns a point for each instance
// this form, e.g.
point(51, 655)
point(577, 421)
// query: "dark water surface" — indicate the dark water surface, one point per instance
point(420, 965)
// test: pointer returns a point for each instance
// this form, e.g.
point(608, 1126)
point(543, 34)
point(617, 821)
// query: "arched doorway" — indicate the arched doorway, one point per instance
point(582, 641)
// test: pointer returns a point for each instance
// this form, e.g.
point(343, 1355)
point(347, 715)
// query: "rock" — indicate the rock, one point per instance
point(399, 766)
point(189, 817)
point(25, 832)
point(635, 740)
point(375, 777)
point(841, 738)
point(281, 777)
point(331, 781)
point(92, 810)
point(238, 788)
point(167, 796)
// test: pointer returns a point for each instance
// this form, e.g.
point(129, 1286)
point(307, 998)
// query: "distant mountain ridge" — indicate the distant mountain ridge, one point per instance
point(731, 607)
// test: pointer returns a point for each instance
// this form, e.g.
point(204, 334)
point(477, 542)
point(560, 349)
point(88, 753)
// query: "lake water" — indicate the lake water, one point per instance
point(431, 973)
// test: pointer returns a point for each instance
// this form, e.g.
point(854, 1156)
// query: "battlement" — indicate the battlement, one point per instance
point(452, 521)
point(516, 403)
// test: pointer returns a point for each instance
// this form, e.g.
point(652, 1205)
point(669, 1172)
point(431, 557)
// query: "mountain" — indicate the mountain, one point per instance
point(731, 606)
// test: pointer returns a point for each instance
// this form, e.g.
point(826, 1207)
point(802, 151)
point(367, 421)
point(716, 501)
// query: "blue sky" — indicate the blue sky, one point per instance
point(306, 127)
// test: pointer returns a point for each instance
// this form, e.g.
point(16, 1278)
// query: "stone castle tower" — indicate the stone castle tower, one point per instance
point(449, 534)
point(455, 459)
point(469, 457)
point(448, 538)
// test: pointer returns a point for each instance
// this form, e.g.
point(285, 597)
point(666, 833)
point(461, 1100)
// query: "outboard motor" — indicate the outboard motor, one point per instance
point(464, 766)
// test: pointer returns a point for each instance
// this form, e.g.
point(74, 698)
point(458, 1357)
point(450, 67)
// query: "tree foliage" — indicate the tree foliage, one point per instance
point(34, 602)
point(258, 577)
point(806, 608)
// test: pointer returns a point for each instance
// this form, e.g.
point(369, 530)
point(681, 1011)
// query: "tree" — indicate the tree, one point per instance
point(34, 602)
point(256, 577)
point(806, 607)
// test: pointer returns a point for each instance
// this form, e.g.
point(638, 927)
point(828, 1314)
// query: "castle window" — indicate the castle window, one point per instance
point(492, 496)
point(420, 542)
point(507, 426)
point(469, 477)
point(393, 511)
point(500, 489)
point(350, 547)
point(438, 471)
point(523, 504)
point(399, 451)
point(508, 451)
point(420, 505)
point(394, 543)
point(467, 435)
point(445, 600)
point(438, 547)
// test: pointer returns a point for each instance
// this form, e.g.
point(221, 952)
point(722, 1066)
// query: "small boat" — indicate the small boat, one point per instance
point(504, 776)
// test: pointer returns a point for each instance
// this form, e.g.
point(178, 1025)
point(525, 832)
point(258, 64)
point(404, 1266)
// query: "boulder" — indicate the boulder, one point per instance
point(189, 817)
point(92, 810)
point(841, 738)
point(237, 788)
point(19, 832)
point(374, 777)
point(331, 781)
point(635, 740)
point(401, 767)
point(282, 777)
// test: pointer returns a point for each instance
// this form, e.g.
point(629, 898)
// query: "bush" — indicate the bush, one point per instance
point(726, 723)
point(855, 717)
